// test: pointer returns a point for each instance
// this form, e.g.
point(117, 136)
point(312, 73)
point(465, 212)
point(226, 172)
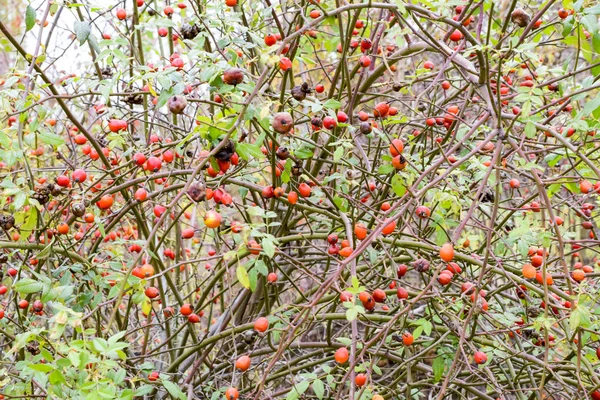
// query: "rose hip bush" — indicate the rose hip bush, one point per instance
point(263, 199)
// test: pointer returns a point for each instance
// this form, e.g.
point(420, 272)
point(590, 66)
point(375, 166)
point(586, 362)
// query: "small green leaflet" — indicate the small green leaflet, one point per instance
point(82, 31)
point(243, 277)
point(174, 390)
point(318, 388)
point(28, 286)
point(438, 368)
point(332, 104)
point(29, 18)
point(50, 138)
point(398, 185)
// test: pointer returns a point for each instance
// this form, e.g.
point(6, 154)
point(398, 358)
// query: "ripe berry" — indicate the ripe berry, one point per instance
point(329, 122)
point(447, 252)
point(270, 40)
point(242, 363)
point(154, 164)
point(341, 355)
point(152, 292)
point(360, 379)
point(261, 324)
point(480, 357)
point(456, 36)
point(304, 190)
point(231, 394)
point(79, 176)
point(121, 14)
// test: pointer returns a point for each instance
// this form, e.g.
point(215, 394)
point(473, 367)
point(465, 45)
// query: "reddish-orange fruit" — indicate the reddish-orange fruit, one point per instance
point(578, 275)
point(385, 206)
point(381, 109)
point(407, 338)
point(537, 261)
point(445, 277)
point(141, 194)
point(562, 13)
point(585, 186)
point(423, 212)
point(121, 14)
point(360, 231)
point(456, 36)
point(402, 293)
point(514, 183)
point(379, 295)
point(364, 297)
point(186, 309)
point(243, 363)
point(345, 252)
point(261, 324)
point(116, 125)
point(272, 277)
point(304, 190)
point(254, 247)
point(389, 228)
point(399, 162)
point(231, 3)
point(529, 271)
point(152, 292)
point(193, 318)
point(285, 63)
point(292, 197)
point(540, 278)
point(447, 252)
point(232, 394)
point(212, 219)
point(23, 304)
point(396, 147)
point(105, 202)
point(79, 176)
point(480, 357)
point(341, 355)
point(314, 14)
point(62, 228)
point(428, 65)
point(147, 270)
point(345, 296)
point(360, 379)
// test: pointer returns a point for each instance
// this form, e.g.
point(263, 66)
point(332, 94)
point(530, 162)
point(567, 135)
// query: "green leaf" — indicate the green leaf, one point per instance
point(332, 104)
point(29, 18)
point(398, 185)
point(318, 388)
point(268, 247)
point(438, 368)
point(261, 267)
point(338, 154)
point(385, 169)
point(302, 386)
point(51, 138)
point(247, 150)
point(57, 378)
point(41, 367)
point(28, 286)
point(243, 277)
point(174, 390)
point(351, 314)
point(82, 31)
